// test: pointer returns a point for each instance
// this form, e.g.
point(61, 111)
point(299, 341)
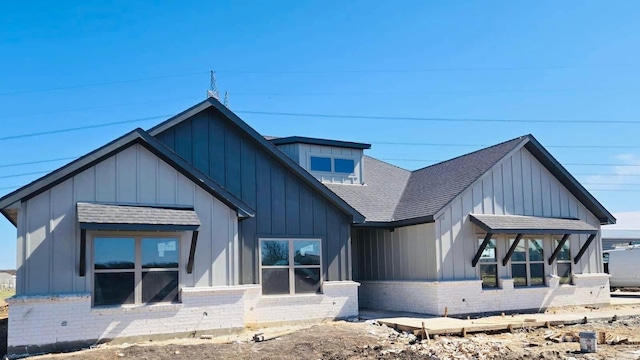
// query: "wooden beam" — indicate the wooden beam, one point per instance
point(192, 251)
point(476, 258)
point(83, 253)
point(584, 248)
point(507, 257)
point(556, 252)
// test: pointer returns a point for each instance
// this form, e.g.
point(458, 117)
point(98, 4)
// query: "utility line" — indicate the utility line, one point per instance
point(25, 174)
point(571, 164)
point(38, 162)
point(486, 145)
point(435, 119)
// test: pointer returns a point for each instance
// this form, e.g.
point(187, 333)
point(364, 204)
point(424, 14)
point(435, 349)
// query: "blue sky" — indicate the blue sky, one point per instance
point(81, 63)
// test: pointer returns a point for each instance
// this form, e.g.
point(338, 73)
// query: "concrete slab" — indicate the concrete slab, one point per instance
point(625, 298)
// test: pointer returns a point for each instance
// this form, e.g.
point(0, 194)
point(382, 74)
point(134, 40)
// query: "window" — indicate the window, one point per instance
point(290, 266)
point(134, 270)
point(564, 262)
point(489, 264)
point(320, 163)
point(346, 166)
point(527, 263)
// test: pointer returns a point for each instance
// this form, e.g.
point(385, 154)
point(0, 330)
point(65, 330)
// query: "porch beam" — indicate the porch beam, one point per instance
point(476, 258)
point(584, 248)
point(192, 251)
point(513, 247)
point(556, 252)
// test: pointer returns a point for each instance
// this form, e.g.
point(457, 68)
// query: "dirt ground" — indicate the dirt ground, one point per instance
point(369, 340)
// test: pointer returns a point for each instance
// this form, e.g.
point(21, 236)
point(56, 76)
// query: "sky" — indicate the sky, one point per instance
point(422, 81)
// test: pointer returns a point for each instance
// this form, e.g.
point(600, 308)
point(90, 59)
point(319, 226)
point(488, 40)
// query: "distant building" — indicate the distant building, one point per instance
point(625, 232)
point(7, 281)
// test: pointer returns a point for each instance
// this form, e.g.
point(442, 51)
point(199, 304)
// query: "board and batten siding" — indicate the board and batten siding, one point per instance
point(518, 185)
point(402, 254)
point(285, 205)
point(305, 151)
point(49, 235)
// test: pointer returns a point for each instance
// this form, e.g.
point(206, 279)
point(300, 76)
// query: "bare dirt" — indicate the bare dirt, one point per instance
point(368, 340)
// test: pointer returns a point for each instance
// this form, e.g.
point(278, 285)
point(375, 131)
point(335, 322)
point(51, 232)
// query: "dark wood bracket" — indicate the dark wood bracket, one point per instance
point(556, 252)
point(584, 248)
point(192, 251)
point(83, 253)
point(513, 247)
point(481, 249)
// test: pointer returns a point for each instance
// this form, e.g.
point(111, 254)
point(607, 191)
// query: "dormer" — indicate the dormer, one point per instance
point(330, 161)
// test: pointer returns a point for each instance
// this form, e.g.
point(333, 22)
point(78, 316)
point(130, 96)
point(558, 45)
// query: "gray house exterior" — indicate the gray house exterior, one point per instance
point(202, 224)
point(199, 224)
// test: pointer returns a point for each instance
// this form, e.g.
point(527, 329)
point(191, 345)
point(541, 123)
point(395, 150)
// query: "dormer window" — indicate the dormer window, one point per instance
point(336, 165)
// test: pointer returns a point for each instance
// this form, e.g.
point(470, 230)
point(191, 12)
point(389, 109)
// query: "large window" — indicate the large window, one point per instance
point(135, 270)
point(527, 263)
point(489, 264)
point(290, 266)
point(563, 262)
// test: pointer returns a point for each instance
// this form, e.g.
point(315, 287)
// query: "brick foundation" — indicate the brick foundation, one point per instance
point(63, 322)
point(468, 296)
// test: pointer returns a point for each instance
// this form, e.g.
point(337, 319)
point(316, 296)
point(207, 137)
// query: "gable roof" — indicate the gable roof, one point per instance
point(430, 189)
point(137, 136)
point(266, 146)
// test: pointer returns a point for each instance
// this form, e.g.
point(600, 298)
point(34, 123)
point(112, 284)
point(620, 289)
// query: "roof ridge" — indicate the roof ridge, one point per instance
point(527, 136)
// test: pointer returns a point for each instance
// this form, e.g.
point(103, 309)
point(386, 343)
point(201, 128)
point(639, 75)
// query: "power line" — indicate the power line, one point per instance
point(435, 119)
point(38, 162)
point(485, 145)
point(25, 174)
point(571, 164)
point(85, 127)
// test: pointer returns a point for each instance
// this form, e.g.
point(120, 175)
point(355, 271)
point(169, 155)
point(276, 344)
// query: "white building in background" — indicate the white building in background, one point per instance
point(625, 232)
point(7, 281)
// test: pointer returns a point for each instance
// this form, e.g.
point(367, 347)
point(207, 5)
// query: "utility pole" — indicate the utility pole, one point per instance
point(213, 88)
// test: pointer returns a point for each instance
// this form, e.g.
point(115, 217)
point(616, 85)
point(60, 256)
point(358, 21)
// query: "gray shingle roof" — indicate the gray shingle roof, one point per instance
point(430, 189)
point(393, 194)
point(530, 224)
point(383, 188)
point(92, 213)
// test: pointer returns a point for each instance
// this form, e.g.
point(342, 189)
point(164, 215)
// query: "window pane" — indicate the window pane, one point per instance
point(114, 253)
point(320, 163)
point(159, 286)
point(489, 275)
point(519, 274)
point(306, 252)
point(489, 253)
point(520, 254)
point(537, 274)
point(307, 280)
point(346, 166)
point(535, 250)
point(565, 253)
point(275, 253)
point(159, 253)
point(275, 281)
point(113, 288)
point(564, 271)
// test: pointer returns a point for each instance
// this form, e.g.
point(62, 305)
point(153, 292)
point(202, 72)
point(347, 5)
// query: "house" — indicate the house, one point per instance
point(626, 231)
point(201, 224)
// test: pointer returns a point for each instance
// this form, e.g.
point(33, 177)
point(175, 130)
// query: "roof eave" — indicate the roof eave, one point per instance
point(397, 223)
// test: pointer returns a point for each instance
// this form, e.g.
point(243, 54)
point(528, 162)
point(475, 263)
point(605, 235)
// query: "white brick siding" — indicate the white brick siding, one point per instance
point(50, 322)
point(468, 296)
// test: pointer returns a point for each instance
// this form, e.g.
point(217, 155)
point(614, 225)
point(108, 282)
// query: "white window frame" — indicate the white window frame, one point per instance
point(137, 270)
point(291, 267)
point(556, 241)
point(528, 262)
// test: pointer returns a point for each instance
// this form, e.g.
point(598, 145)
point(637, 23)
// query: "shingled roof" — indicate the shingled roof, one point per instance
point(397, 197)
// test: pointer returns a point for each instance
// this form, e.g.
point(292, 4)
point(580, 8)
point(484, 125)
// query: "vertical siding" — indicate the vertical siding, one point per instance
point(285, 205)
point(407, 253)
point(520, 185)
point(49, 237)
